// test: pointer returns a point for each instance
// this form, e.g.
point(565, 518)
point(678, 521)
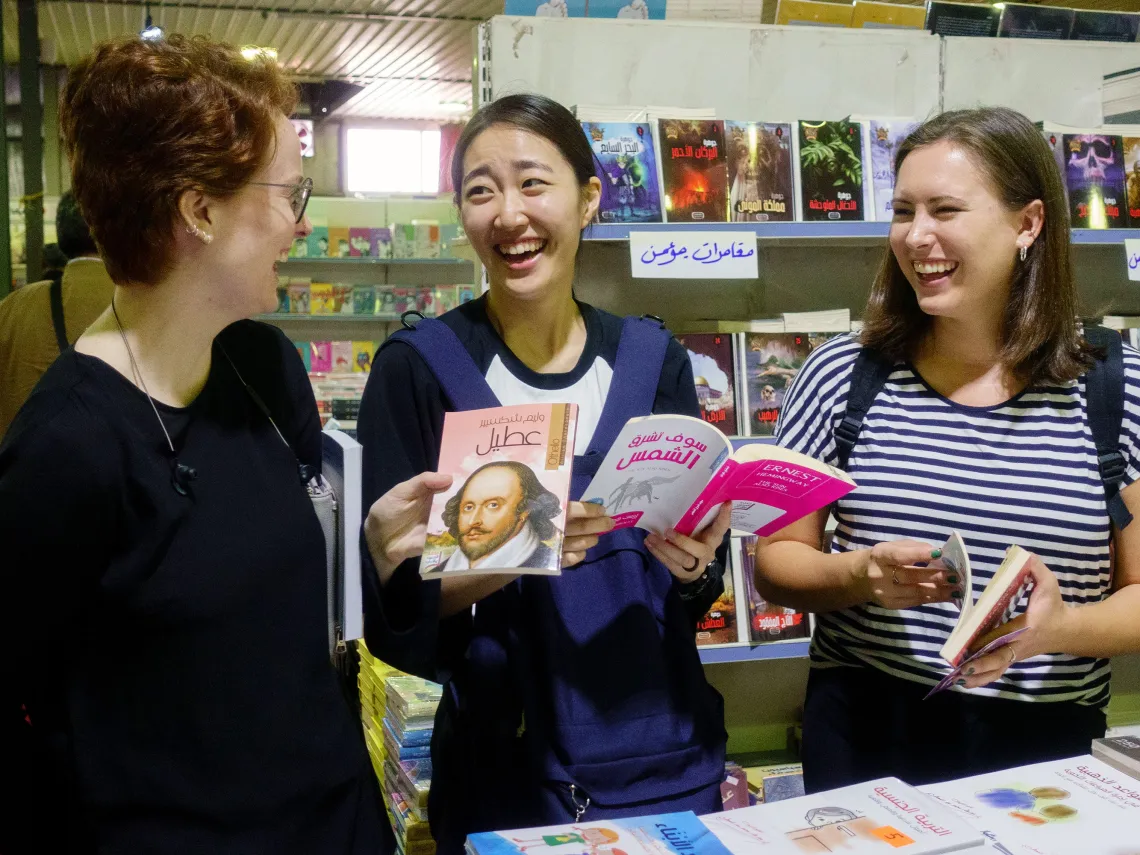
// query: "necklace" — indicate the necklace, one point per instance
point(180, 474)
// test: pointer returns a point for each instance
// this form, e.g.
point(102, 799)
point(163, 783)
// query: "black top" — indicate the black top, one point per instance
point(174, 647)
point(401, 425)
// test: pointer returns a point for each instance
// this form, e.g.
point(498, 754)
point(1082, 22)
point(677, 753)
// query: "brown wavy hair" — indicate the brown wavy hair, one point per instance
point(146, 121)
point(1041, 336)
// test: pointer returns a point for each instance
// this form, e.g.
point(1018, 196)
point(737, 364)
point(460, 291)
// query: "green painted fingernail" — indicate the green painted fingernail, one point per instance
point(961, 683)
point(970, 671)
point(953, 580)
point(937, 553)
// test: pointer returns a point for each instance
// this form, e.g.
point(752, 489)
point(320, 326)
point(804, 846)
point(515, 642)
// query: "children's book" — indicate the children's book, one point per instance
point(380, 242)
point(342, 299)
point(342, 357)
point(694, 171)
point(712, 358)
point(880, 816)
point(664, 834)
point(626, 165)
point(318, 242)
point(506, 509)
point(994, 607)
point(321, 298)
point(321, 361)
point(364, 300)
point(298, 298)
point(359, 243)
point(831, 170)
point(1077, 806)
point(338, 242)
point(670, 471)
point(760, 173)
point(362, 353)
point(767, 621)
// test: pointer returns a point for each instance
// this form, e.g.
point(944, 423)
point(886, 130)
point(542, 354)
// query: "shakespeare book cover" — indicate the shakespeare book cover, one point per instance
point(760, 174)
point(625, 164)
point(711, 356)
point(506, 509)
point(693, 166)
point(831, 170)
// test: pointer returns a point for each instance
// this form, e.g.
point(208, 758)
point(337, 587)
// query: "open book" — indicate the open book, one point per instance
point(505, 512)
point(993, 608)
point(669, 471)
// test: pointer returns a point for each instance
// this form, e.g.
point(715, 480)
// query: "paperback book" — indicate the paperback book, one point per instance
point(625, 163)
point(695, 177)
point(671, 471)
point(506, 509)
point(769, 363)
point(1120, 752)
point(1092, 166)
point(831, 170)
point(767, 621)
point(719, 625)
point(712, 358)
point(883, 138)
point(664, 834)
point(760, 174)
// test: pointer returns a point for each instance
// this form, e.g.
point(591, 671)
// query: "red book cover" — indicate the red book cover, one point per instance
point(712, 359)
point(694, 169)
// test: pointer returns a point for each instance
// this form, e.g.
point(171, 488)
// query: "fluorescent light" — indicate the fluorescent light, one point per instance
point(252, 52)
point(999, 6)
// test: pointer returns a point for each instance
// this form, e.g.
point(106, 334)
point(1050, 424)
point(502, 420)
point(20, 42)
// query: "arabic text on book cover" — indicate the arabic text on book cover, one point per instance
point(625, 163)
point(831, 170)
point(694, 170)
point(759, 172)
point(711, 357)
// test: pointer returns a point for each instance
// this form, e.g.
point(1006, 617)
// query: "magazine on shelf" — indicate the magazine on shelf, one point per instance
point(670, 471)
point(880, 816)
point(994, 607)
point(1078, 806)
point(505, 511)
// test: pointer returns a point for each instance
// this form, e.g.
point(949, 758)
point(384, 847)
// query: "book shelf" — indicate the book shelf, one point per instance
point(794, 649)
point(381, 271)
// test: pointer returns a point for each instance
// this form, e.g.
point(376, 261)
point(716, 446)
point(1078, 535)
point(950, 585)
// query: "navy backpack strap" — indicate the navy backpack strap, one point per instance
point(637, 374)
point(460, 378)
point(867, 378)
point(55, 295)
point(1104, 392)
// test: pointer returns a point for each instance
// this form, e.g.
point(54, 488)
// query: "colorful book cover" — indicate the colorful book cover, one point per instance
point(711, 356)
point(446, 299)
point(718, 624)
point(506, 509)
point(321, 361)
point(626, 10)
point(425, 301)
point(299, 248)
point(339, 246)
point(1094, 179)
point(342, 357)
point(766, 621)
point(305, 352)
point(625, 164)
point(318, 241)
point(321, 298)
point(1077, 806)
point(771, 362)
point(881, 816)
point(283, 300)
point(1131, 146)
point(694, 170)
point(404, 300)
point(663, 834)
point(380, 242)
point(760, 174)
point(385, 301)
point(831, 170)
point(362, 353)
point(885, 136)
point(364, 300)
point(359, 242)
point(298, 299)
point(342, 303)
point(465, 293)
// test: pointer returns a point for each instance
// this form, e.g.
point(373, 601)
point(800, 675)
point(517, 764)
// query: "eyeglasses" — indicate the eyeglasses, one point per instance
point(298, 195)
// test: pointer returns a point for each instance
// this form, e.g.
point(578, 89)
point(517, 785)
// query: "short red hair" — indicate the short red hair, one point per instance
point(146, 121)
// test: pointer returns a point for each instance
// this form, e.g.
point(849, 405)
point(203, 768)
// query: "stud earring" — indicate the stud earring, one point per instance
point(201, 234)
point(1023, 252)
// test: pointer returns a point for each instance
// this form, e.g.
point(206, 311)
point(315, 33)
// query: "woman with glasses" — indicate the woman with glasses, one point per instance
point(162, 596)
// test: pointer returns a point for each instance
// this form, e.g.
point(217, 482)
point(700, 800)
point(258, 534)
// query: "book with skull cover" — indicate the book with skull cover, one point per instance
point(694, 174)
point(760, 174)
point(625, 163)
point(1131, 146)
point(1092, 168)
point(769, 363)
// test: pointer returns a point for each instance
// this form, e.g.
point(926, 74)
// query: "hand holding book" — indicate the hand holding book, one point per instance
point(687, 557)
point(902, 574)
point(396, 525)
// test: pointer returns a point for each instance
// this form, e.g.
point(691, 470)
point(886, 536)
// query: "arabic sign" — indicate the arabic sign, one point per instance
point(693, 255)
point(1132, 253)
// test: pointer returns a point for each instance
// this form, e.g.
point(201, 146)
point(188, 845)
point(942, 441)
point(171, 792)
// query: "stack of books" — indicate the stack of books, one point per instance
point(406, 737)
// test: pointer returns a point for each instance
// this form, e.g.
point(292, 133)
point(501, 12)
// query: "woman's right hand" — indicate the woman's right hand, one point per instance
point(890, 576)
point(585, 522)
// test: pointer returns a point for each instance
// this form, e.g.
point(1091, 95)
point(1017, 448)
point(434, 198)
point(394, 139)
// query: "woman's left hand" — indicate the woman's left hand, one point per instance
point(396, 525)
point(1044, 622)
point(687, 557)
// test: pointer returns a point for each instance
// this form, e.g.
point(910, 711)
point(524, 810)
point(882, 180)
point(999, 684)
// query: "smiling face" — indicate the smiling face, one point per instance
point(954, 239)
point(252, 229)
point(523, 211)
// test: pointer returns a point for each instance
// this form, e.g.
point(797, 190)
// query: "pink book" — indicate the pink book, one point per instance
point(342, 357)
point(668, 471)
point(321, 362)
point(506, 509)
point(359, 243)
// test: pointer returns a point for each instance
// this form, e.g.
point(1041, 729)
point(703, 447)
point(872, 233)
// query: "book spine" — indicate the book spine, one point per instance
point(995, 615)
point(708, 498)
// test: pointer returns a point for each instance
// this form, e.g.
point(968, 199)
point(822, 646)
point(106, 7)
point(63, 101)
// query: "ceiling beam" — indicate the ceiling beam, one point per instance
point(282, 11)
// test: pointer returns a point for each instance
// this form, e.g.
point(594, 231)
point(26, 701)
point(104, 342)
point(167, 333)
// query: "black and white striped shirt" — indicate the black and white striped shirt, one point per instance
point(1020, 472)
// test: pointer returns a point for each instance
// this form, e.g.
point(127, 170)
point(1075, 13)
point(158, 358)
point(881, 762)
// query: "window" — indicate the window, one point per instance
point(384, 160)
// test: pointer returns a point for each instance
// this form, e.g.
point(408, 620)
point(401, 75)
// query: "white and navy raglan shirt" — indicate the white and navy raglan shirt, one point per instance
point(1021, 472)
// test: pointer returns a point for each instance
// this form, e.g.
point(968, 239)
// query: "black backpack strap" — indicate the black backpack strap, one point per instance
point(867, 377)
point(1104, 392)
point(55, 294)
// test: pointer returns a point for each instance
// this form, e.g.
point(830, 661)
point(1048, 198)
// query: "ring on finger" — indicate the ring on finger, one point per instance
point(1012, 655)
point(895, 577)
point(696, 564)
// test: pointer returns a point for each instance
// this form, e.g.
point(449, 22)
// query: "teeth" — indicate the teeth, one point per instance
point(934, 267)
point(521, 247)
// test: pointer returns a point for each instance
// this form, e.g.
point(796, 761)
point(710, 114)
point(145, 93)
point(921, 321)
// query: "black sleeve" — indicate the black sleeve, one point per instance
point(676, 393)
point(400, 424)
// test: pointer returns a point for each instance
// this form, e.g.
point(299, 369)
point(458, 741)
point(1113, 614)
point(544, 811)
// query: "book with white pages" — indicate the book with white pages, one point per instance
point(342, 467)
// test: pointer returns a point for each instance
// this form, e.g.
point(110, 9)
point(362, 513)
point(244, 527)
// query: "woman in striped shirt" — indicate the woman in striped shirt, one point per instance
point(981, 428)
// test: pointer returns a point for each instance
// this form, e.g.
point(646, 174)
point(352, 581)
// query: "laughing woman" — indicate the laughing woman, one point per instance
point(982, 427)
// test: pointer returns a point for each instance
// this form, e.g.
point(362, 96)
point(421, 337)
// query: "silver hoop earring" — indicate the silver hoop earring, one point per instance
point(1024, 251)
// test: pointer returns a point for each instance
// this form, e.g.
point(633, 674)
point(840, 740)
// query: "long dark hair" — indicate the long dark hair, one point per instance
point(1041, 338)
point(538, 115)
